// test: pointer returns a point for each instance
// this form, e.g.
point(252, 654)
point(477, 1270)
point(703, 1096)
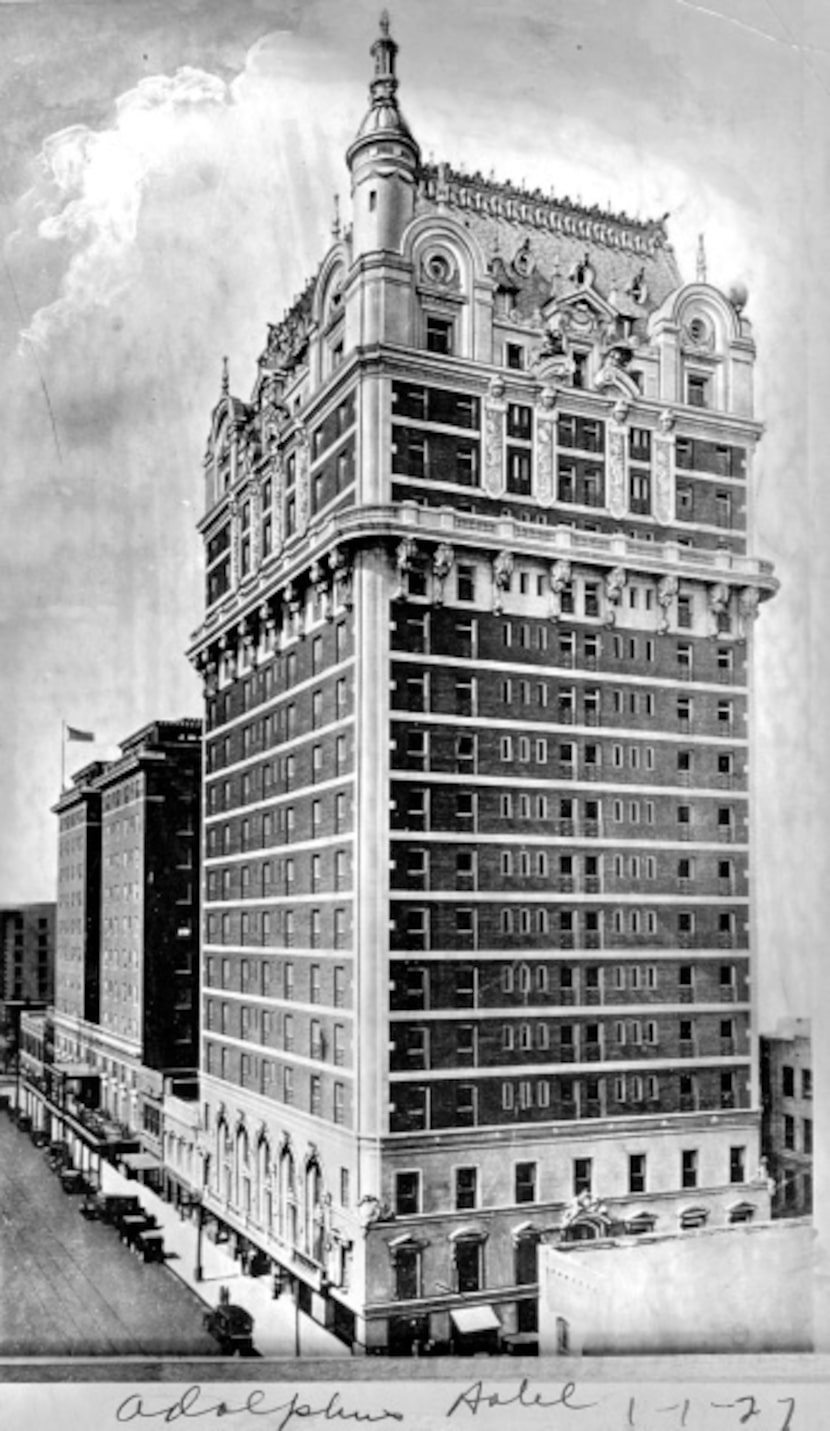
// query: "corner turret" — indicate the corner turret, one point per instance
point(383, 159)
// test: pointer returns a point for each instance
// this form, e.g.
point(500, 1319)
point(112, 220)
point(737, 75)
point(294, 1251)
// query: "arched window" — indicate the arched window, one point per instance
point(313, 1208)
point(288, 1198)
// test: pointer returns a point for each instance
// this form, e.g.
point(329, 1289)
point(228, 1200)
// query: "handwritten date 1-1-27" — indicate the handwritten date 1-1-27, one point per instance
point(193, 1404)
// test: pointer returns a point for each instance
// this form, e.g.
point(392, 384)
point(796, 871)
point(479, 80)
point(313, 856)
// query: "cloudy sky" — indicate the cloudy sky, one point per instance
point(166, 180)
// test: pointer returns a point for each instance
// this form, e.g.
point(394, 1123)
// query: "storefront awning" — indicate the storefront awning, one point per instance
point(77, 1070)
point(475, 1319)
point(140, 1162)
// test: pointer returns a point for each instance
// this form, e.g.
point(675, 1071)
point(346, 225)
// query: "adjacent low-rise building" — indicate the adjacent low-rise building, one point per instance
point(743, 1289)
point(787, 1125)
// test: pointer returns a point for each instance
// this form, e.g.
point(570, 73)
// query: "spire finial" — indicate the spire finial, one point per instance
point(335, 223)
point(226, 379)
point(701, 259)
point(384, 23)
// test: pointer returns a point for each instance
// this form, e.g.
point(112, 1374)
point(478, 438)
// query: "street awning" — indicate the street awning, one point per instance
point(475, 1319)
point(77, 1070)
point(140, 1162)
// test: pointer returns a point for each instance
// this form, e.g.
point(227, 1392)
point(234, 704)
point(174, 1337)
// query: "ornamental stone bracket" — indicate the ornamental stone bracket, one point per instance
point(248, 643)
point(442, 564)
point(495, 415)
point(748, 604)
point(229, 656)
point(405, 555)
point(296, 612)
point(503, 565)
point(560, 578)
point(667, 589)
point(614, 585)
point(718, 603)
point(341, 570)
point(318, 577)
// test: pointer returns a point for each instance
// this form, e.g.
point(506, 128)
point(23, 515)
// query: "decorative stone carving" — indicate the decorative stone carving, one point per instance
point(748, 603)
point(584, 1206)
point(248, 643)
point(663, 471)
point(405, 554)
point(666, 593)
point(613, 372)
point(495, 409)
point(227, 647)
point(666, 421)
point(320, 581)
point(718, 601)
point(502, 572)
point(614, 585)
point(303, 485)
point(442, 565)
point(545, 463)
point(617, 495)
point(268, 627)
point(342, 574)
point(560, 577)
point(294, 607)
point(236, 542)
point(370, 1210)
point(621, 409)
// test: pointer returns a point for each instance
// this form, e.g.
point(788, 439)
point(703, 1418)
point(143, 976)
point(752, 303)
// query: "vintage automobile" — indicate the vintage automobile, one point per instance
point(40, 1137)
point(115, 1206)
point(58, 1156)
point(72, 1180)
point(233, 1328)
point(149, 1244)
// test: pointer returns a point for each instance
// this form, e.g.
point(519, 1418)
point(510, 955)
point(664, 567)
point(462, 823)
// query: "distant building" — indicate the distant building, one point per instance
point(127, 976)
point(477, 651)
point(787, 1124)
point(27, 953)
point(742, 1289)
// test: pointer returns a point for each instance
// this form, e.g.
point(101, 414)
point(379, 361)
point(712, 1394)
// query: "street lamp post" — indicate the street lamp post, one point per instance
point(198, 1271)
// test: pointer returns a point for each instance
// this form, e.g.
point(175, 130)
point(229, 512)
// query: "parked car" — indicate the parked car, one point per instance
point(233, 1328)
point(115, 1206)
point(74, 1181)
point(40, 1137)
point(24, 1122)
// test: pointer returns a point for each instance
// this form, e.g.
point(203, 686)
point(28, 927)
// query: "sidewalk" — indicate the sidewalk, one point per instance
point(277, 1325)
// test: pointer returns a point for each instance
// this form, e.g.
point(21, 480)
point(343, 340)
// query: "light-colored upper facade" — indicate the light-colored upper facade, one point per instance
point(476, 653)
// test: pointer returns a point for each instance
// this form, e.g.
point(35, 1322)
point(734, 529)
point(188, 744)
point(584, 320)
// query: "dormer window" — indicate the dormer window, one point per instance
point(580, 372)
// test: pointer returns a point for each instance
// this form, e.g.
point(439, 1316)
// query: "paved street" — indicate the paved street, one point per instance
point(68, 1287)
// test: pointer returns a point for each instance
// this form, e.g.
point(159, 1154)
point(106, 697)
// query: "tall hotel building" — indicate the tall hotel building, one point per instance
point(476, 654)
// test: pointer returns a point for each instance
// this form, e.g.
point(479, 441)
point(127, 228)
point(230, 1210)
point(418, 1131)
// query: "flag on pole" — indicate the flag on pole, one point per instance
point(73, 734)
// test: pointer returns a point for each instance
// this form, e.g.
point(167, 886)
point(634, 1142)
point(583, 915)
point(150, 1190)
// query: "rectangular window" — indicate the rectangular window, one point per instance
point(581, 1176)
point(525, 1182)
point(466, 1188)
point(407, 1193)
point(737, 1165)
point(637, 1172)
point(688, 1168)
point(439, 335)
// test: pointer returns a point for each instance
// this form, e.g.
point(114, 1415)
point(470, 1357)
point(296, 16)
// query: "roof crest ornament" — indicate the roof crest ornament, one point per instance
point(701, 259)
